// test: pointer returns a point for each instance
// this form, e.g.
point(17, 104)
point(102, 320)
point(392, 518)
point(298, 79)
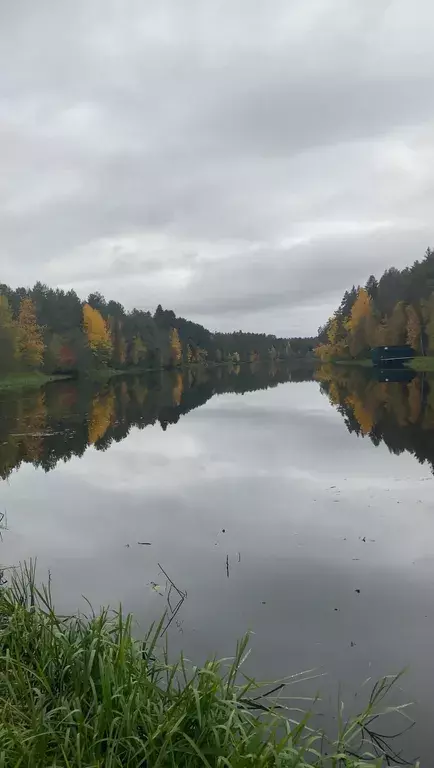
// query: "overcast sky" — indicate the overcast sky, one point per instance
point(240, 161)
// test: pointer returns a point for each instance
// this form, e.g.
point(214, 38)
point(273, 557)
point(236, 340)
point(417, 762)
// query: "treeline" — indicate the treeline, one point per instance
point(397, 309)
point(42, 329)
point(61, 420)
point(399, 413)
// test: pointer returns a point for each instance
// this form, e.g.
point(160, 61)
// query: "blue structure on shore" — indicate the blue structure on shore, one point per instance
point(392, 355)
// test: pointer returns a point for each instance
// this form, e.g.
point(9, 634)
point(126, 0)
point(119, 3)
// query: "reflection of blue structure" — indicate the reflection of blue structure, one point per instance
point(385, 356)
point(388, 375)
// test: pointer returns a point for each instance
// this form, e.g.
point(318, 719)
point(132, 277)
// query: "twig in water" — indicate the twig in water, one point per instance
point(180, 593)
point(177, 607)
point(182, 597)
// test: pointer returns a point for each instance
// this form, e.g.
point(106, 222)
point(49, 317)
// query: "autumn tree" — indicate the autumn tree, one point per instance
point(30, 337)
point(8, 337)
point(427, 308)
point(336, 336)
point(360, 323)
point(98, 334)
point(175, 347)
point(413, 328)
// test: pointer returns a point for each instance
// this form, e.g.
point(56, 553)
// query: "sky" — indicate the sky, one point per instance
point(242, 162)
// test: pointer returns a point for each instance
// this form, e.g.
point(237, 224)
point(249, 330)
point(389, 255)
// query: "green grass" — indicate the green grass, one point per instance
point(422, 363)
point(363, 363)
point(26, 380)
point(83, 692)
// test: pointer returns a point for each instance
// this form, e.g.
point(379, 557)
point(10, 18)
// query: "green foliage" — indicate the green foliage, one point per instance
point(398, 309)
point(83, 692)
point(55, 330)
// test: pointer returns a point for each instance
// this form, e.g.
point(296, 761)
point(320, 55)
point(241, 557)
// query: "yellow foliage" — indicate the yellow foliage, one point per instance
point(118, 341)
point(103, 408)
point(177, 389)
point(333, 331)
point(30, 337)
point(8, 335)
point(360, 324)
point(361, 308)
point(98, 333)
point(175, 346)
point(362, 413)
point(329, 352)
point(414, 328)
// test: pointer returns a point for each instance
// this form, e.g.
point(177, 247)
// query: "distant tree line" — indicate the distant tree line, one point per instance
point(54, 331)
point(397, 309)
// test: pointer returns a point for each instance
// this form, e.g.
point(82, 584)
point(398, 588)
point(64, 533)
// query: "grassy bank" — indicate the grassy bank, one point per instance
point(26, 380)
point(422, 364)
point(363, 363)
point(83, 692)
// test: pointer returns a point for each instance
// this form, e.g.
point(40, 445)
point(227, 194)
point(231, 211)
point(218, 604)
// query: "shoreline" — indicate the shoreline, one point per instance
point(20, 381)
point(76, 689)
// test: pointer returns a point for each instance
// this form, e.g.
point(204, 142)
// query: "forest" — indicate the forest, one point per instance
point(54, 331)
point(396, 309)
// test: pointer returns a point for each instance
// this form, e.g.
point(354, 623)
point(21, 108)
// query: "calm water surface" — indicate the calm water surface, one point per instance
point(269, 508)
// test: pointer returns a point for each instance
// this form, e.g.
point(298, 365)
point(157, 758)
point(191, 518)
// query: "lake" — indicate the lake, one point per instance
point(295, 503)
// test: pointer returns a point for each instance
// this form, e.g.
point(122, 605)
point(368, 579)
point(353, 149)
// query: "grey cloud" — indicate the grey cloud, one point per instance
point(308, 273)
point(234, 128)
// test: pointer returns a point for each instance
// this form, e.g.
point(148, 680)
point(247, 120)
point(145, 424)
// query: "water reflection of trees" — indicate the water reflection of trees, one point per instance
point(60, 421)
point(396, 408)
